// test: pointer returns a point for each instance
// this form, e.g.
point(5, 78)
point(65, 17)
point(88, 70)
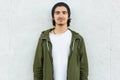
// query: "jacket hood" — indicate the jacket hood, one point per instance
point(45, 34)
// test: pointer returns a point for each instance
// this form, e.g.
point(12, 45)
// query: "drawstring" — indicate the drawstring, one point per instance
point(73, 44)
point(47, 45)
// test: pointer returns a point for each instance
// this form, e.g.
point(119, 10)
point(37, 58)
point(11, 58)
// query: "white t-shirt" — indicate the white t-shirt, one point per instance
point(60, 53)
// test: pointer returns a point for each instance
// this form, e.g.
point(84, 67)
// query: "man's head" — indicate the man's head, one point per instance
point(61, 14)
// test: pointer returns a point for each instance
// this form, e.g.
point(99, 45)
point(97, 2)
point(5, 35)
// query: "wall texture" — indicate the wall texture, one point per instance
point(21, 22)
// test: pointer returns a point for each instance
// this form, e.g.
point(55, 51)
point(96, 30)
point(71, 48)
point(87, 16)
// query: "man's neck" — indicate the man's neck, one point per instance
point(60, 29)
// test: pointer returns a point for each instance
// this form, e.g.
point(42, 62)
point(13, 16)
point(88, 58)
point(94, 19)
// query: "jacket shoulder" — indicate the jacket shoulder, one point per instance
point(44, 34)
point(46, 31)
point(76, 34)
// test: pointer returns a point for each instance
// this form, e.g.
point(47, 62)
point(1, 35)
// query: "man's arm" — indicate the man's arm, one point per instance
point(83, 61)
point(38, 62)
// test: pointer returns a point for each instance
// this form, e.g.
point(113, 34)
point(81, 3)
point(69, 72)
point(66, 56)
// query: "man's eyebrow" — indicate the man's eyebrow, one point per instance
point(62, 11)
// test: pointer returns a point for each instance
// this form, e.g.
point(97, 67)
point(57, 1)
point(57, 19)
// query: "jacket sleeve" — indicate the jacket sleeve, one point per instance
point(38, 62)
point(83, 61)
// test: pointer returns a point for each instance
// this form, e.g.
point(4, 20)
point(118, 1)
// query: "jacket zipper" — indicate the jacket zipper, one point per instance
point(71, 50)
point(50, 56)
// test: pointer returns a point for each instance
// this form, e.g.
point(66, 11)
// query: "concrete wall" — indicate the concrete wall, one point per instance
point(21, 22)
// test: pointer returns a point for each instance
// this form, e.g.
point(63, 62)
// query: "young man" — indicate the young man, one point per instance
point(60, 54)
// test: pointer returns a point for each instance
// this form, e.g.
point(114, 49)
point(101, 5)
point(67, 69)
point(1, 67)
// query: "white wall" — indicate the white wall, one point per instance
point(21, 22)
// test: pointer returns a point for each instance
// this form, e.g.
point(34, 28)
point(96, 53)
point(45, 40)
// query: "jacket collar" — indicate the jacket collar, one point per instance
point(45, 34)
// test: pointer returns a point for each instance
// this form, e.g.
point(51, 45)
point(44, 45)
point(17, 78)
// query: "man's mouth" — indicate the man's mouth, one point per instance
point(60, 18)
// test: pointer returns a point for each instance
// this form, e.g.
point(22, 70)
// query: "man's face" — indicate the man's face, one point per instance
point(61, 15)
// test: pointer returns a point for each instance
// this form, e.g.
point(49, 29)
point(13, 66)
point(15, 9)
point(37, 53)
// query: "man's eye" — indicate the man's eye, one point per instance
point(64, 12)
point(57, 12)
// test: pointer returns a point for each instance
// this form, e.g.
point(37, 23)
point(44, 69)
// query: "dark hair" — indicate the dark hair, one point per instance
point(61, 4)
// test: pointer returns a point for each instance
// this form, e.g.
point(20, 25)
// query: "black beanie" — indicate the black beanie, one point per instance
point(60, 4)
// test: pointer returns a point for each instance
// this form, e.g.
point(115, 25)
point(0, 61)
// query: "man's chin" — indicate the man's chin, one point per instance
point(60, 24)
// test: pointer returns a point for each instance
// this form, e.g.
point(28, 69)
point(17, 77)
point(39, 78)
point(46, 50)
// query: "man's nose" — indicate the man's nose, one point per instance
point(61, 14)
